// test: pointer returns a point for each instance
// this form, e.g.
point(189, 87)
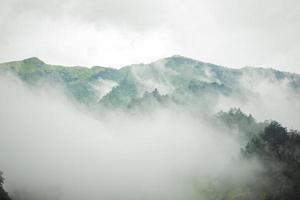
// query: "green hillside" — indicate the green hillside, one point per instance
point(181, 80)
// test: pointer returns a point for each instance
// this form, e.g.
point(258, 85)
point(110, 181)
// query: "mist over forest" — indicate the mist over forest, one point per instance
point(173, 129)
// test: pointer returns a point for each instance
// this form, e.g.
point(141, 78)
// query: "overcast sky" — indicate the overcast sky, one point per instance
point(235, 33)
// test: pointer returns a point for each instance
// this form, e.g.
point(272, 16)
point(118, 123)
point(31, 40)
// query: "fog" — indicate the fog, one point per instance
point(51, 148)
point(266, 98)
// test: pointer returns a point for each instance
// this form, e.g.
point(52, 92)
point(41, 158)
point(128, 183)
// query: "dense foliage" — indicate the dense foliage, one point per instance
point(270, 151)
point(246, 125)
point(279, 151)
point(3, 193)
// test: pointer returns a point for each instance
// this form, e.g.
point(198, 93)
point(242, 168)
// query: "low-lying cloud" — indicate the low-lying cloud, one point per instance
point(53, 150)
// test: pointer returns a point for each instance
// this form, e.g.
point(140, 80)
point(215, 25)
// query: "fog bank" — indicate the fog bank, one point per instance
point(50, 149)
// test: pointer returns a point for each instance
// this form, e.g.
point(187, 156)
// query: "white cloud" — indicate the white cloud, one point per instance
point(120, 32)
point(51, 150)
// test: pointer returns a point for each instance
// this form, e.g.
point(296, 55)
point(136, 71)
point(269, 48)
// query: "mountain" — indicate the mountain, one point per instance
point(176, 79)
point(245, 157)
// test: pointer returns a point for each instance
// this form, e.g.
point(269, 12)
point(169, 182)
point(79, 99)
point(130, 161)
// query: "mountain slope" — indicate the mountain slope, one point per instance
point(179, 79)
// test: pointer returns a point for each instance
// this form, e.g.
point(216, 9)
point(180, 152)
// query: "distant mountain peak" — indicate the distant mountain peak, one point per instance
point(181, 58)
point(178, 59)
point(33, 60)
point(179, 62)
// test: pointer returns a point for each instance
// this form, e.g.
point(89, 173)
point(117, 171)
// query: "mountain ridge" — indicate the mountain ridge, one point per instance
point(40, 61)
point(175, 78)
